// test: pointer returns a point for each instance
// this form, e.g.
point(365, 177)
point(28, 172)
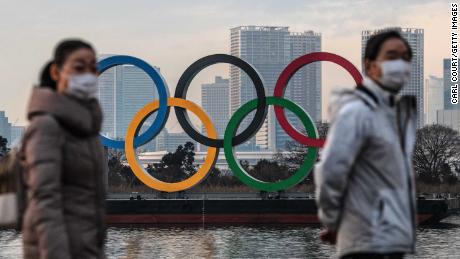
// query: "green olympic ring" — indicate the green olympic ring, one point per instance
point(244, 176)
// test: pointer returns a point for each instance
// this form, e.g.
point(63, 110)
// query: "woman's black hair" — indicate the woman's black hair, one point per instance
point(67, 47)
point(375, 42)
point(61, 53)
point(45, 77)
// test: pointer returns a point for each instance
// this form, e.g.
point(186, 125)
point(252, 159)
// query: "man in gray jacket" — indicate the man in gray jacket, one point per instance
point(364, 180)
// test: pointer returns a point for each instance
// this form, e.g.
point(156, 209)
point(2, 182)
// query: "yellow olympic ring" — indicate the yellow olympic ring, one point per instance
point(148, 179)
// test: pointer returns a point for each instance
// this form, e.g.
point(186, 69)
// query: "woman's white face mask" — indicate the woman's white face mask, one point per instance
point(84, 85)
point(395, 74)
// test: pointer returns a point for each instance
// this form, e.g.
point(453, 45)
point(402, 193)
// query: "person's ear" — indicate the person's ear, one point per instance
point(54, 72)
point(367, 65)
point(372, 69)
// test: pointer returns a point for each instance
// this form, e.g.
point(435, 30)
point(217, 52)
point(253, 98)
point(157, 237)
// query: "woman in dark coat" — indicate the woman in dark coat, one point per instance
point(65, 160)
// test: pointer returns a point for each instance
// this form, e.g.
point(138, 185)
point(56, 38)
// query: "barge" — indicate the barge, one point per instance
point(212, 209)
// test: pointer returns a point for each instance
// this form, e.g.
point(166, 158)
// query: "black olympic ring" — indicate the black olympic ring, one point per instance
point(184, 83)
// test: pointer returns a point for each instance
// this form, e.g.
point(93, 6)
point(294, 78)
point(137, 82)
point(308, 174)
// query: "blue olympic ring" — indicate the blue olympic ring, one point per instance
point(163, 93)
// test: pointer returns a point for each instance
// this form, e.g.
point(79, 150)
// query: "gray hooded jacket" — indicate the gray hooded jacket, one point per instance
point(364, 180)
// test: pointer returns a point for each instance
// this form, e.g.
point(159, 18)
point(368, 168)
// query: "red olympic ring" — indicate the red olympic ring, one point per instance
point(286, 75)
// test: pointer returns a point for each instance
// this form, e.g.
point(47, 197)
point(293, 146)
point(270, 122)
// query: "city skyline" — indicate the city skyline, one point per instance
point(180, 45)
point(270, 49)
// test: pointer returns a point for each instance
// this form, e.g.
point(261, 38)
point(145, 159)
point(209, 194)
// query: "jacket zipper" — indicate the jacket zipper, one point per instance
point(97, 190)
point(402, 134)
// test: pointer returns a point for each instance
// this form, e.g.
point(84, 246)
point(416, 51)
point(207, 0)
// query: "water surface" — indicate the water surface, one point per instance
point(438, 241)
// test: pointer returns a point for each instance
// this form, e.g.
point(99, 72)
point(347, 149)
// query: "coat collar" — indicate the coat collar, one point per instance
point(382, 95)
point(80, 116)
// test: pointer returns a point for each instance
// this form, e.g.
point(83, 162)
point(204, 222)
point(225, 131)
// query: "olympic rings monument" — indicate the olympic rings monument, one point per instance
point(231, 139)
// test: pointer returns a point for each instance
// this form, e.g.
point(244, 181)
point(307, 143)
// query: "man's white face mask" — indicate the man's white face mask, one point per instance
point(84, 85)
point(395, 74)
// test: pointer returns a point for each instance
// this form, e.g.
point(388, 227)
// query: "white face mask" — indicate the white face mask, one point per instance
point(395, 74)
point(83, 85)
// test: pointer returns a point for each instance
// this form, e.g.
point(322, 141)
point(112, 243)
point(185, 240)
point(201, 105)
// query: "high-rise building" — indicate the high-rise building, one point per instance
point(434, 98)
point(449, 114)
point(269, 49)
point(170, 141)
point(5, 127)
point(304, 87)
point(16, 134)
point(415, 38)
point(448, 105)
point(265, 48)
point(215, 102)
point(123, 91)
point(306, 83)
point(449, 118)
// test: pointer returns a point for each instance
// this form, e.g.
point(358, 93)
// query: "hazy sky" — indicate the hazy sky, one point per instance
point(172, 34)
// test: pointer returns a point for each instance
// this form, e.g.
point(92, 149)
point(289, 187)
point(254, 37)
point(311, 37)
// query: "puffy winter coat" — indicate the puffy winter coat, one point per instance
point(65, 165)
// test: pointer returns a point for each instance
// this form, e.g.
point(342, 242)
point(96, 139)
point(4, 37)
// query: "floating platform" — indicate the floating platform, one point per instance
point(249, 209)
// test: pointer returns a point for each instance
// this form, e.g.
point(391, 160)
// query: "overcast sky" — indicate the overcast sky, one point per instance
point(172, 34)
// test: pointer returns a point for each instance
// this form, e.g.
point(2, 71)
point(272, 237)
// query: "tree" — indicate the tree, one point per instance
point(114, 175)
point(295, 153)
point(217, 178)
point(245, 164)
point(120, 174)
point(436, 153)
point(269, 171)
point(323, 129)
point(176, 166)
point(3, 146)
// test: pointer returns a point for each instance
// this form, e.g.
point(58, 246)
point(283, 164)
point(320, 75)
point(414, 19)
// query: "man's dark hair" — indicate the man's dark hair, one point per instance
point(375, 42)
